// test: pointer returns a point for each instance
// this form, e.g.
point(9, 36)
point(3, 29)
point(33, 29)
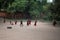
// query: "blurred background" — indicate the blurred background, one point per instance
point(47, 10)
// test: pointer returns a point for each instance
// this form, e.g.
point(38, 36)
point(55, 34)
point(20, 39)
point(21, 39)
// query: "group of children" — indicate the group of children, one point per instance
point(29, 22)
point(21, 22)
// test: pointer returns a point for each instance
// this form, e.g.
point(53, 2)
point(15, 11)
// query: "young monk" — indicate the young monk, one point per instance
point(35, 23)
point(21, 23)
point(54, 23)
point(15, 22)
point(28, 23)
point(4, 21)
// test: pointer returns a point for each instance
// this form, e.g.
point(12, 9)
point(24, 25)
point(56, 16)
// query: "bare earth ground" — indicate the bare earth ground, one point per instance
point(43, 31)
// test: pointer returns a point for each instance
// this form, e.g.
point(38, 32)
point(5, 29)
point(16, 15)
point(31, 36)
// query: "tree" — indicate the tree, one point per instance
point(30, 8)
point(55, 9)
point(4, 3)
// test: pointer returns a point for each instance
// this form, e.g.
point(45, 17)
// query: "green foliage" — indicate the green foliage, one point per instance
point(32, 7)
point(17, 5)
point(55, 9)
point(4, 3)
